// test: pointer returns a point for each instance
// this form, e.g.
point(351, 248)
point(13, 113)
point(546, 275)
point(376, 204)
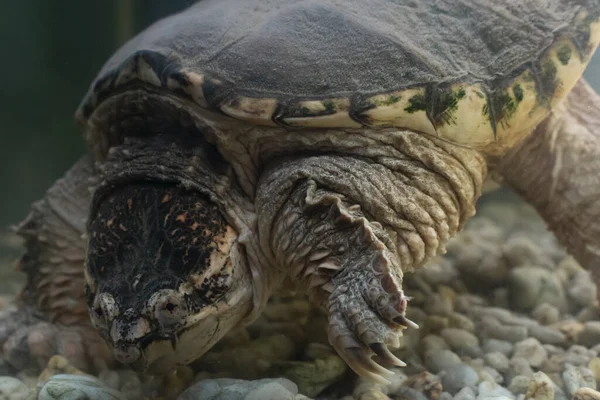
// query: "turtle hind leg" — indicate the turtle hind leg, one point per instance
point(557, 170)
point(52, 315)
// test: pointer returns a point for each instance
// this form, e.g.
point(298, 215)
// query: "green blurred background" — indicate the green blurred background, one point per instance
point(50, 52)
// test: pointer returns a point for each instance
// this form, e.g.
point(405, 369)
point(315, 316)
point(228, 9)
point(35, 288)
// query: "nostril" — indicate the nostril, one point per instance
point(127, 353)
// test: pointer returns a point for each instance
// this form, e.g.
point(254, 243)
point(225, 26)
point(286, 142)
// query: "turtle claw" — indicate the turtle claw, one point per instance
point(386, 355)
point(361, 363)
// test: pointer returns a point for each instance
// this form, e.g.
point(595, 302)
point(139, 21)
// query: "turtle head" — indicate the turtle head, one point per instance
point(165, 275)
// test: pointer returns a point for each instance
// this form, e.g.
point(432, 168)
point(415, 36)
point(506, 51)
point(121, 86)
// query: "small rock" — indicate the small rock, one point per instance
point(488, 390)
point(271, 391)
point(406, 393)
point(570, 327)
point(438, 360)
point(438, 305)
point(532, 351)
point(321, 368)
point(481, 263)
point(444, 396)
point(582, 289)
point(586, 394)
point(67, 387)
point(520, 366)
point(438, 272)
point(546, 314)
point(497, 361)
point(465, 394)
point(494, 330)
point(500, 346)
point(594, 366)
point(461, 321)
point(425, 383)
point(238, 389)
point(433, 342)
point(489, 374)
point(578, 377)
point(458, 377)
point(59, 365)
point(540, 387)
point(13, 389)
point(547, 335)
point(519, 384)
point(520, 250)
point(590, 335)
point(530, 286)
point(435, 323)
point(461, 341)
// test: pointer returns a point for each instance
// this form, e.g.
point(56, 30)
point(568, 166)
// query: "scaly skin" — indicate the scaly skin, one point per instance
point(52, 317)
point(347, 227)
point(557, 170)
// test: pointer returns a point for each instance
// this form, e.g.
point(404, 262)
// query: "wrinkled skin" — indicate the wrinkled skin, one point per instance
point(344, 224)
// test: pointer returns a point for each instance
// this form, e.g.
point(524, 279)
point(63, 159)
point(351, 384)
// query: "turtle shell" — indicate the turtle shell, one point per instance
point(475, 72)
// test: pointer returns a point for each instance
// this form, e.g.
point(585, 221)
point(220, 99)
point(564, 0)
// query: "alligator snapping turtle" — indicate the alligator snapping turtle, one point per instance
point(243, 145)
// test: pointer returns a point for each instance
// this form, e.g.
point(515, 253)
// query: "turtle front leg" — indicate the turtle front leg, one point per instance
point(51, 316)
point(346, 228)
point(557, 170)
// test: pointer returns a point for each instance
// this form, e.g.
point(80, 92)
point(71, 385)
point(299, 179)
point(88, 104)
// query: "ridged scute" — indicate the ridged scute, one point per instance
point(475, 72)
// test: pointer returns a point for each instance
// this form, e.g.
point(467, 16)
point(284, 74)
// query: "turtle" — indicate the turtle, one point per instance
point(239, 148)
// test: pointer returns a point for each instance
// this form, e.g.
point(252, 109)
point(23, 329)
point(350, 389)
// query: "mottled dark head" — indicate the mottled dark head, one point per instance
point(165, 278)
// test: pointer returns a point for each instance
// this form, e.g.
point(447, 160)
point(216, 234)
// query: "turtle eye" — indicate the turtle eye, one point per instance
point(103, 310)
point(168, 308)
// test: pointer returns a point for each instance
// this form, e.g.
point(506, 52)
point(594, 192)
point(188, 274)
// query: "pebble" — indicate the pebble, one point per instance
point(239, 389)
point(439, 272)
point(438, 305)
point(581, 289)
point(406, 393)
point(546, 314)
point(510, 333)
point(500, 346)
point(531, 350)
point(521, 366)
point(586, 394)
point(530, 286)
point(465, 394)
point(546, 334)
point(13, 389)
point(540, 387)
point(425, 383)
point(594, 366)
point(578, 377)
point(488, 390)
point(481, 264)
point(79, 387)
point(590, 335)
point(520, 250)
point(491, 375)
point(433, 342)
point(519, 384)
point(461, 341)
point(438, 360)
point(461, 321)
point(497, 361)
point(458, 377)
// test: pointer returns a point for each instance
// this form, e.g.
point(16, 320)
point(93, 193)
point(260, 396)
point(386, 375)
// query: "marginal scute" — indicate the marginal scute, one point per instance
point(257, 111)
point(319, 113)
point(385, 113)
point(489, 109)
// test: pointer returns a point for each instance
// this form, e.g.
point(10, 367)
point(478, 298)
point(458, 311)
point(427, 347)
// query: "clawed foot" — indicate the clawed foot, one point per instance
point(366, 315)
point(29, 342)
